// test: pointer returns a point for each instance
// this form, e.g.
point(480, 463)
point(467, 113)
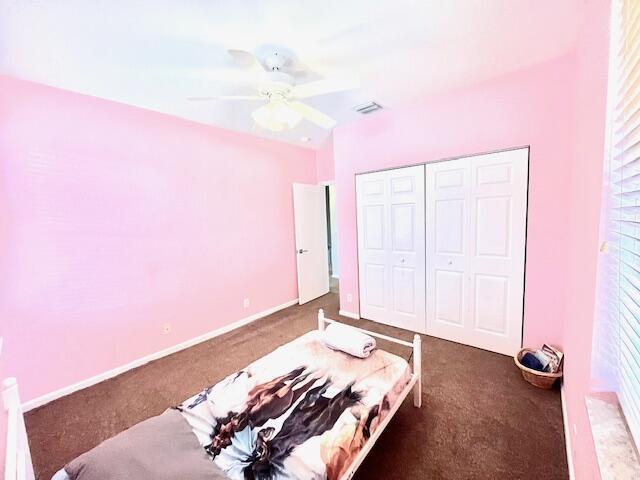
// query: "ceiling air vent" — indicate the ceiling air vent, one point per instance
point(368, 107)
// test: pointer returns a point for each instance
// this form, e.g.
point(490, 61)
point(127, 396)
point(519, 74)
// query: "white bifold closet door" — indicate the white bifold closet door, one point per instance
point(476, 214)
point(391, 242)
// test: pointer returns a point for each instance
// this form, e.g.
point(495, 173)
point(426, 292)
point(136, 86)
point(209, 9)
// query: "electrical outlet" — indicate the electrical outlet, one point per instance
point(246, 303)
point(166, 328)
point(349, 298)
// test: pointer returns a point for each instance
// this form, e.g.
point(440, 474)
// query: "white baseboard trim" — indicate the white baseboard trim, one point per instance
point(567, 434)
point(344, 313)
point(44, 399)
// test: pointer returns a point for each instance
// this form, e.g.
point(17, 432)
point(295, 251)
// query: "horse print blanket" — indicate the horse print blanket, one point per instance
point(302, 412)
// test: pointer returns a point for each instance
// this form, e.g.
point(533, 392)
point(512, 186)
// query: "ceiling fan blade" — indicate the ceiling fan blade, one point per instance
point(242, 58)
point(313, 115)
point(225, 97)
point(320, 87)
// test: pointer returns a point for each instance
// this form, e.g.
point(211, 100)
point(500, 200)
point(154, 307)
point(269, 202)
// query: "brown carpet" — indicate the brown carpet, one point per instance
point(479, 419)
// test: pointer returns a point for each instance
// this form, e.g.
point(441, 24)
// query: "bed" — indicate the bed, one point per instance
point(304, 411)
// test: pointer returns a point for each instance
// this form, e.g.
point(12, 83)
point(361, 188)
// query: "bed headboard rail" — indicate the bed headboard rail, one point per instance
point(322, 321)
point(416, 345)
point(17, 460)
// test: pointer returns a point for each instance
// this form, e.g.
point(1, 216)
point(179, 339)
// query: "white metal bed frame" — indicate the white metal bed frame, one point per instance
point(18, 464)
point(414, 384)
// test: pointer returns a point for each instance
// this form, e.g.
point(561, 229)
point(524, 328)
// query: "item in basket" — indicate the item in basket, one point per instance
point(555, 357)
point(530, 360)
point(544, 360)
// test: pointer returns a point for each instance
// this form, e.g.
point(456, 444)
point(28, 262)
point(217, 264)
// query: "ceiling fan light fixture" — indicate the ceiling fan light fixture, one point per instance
point(276, 116)
point(285, 110)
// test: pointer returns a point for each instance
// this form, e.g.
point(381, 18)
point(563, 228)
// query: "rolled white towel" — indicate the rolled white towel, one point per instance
point(349, 340)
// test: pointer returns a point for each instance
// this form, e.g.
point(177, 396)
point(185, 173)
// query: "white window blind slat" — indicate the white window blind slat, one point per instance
point(629, 124)
point(630, 283)
point(629, 268)
point(628, 405)
point(631, 180)
point(631, 399)
point(631, 329)
point(626, 105)
point(628, 194)
point(629, 137)
point(630, 209)
point(629, 152)
point(627, 374)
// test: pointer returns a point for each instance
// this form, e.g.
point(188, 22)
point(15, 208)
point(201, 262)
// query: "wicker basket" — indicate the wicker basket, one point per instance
point(534, 377)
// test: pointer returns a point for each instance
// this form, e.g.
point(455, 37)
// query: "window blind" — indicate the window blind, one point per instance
point(622, 205)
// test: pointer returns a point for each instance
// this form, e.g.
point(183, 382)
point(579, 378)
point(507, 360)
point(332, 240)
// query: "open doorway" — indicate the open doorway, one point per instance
point(314, 210)
point(332, 237)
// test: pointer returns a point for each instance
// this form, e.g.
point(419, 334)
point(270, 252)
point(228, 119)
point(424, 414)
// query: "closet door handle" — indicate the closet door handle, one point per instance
point(302, 250)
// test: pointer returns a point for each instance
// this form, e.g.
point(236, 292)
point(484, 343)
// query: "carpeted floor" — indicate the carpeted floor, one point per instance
point(479, 419)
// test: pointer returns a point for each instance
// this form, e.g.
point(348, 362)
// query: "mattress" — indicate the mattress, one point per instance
point(303, 411)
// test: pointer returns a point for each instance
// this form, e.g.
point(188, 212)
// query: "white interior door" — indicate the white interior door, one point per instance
point(476, 214)
point(310, 215)
point(391, 239)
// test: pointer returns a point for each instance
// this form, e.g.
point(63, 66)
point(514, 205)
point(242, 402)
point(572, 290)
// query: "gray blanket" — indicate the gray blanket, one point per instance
point(161, 448)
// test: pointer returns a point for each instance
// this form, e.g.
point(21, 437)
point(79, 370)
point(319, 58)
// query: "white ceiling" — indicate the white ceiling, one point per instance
point(155, 53)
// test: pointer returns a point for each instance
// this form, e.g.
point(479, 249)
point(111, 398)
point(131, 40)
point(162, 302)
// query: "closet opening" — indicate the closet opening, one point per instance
point(441, 248)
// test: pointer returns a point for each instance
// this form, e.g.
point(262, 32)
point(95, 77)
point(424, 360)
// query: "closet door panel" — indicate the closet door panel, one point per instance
point(499, 214)
point(449, 297)
point(404, 290)
point(475, 245)
point(372, 194)
point(447, 248)
point(373, 230)
point(490, 303)
point(493, 226)
point(391, 247)
point(449, 218)
point(374, 285)
point(406, 260)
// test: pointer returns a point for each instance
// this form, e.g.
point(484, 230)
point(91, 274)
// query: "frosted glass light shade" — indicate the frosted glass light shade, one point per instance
point(276, 116)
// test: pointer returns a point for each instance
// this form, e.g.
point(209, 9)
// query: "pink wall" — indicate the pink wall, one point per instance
point(585, 199)
point(3, 435)
point(532, 107)
point(117, 220)
point(324, 161)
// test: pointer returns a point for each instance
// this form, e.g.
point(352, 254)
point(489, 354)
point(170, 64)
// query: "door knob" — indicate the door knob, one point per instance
point(302, 250)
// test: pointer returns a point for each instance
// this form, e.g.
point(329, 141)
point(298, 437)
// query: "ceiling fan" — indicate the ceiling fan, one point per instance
point(283, 110)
